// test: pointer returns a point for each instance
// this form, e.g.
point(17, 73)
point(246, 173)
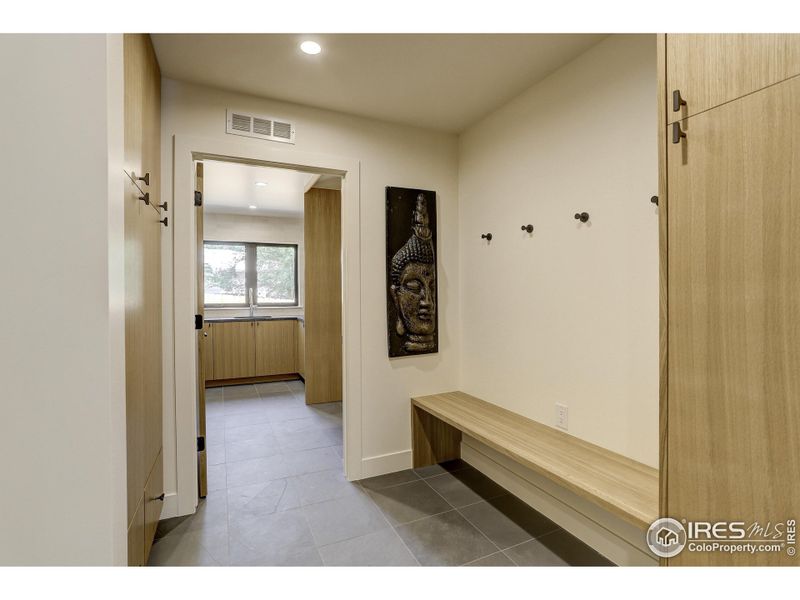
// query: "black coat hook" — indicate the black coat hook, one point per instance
point(528, 228)
point(486, 236)
point(582, 217)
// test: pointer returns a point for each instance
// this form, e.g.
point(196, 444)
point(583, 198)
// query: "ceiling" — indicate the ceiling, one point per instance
point(444, 82)
point(231, 188)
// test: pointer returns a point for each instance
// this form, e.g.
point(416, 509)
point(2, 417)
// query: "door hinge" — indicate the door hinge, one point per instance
point(201, 443)
point(198, 198)
point(198, 322)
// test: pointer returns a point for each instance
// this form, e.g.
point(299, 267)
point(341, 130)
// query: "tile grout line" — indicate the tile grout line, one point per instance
point(468, 521)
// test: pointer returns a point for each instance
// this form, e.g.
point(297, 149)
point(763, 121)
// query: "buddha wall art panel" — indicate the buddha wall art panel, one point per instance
point(411, 296)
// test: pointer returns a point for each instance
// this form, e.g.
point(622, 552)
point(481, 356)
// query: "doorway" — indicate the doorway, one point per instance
point(181, 469)
point(270, 304)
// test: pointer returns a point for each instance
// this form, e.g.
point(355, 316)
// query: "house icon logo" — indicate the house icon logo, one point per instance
point(666, 537)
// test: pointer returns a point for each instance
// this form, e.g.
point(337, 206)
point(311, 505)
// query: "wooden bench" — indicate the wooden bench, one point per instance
point(622, 486)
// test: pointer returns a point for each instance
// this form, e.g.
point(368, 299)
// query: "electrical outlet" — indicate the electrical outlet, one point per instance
point(562, 416)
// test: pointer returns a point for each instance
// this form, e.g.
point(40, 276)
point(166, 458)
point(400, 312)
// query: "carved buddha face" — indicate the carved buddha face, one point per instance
point(413, 286)
point(415, 299)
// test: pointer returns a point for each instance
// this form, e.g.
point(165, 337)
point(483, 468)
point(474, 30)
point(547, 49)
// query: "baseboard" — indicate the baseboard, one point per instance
point(385, 463)
point(619, 541)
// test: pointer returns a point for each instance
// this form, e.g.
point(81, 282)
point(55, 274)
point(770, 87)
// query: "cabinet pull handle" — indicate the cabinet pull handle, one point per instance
point(528, 228)
point(160, 498)
point(582, 217)
point(145, 198)
point(165, 221)
point(677, 101)
point(164, 206)
point(677, 133)
point(146, 179)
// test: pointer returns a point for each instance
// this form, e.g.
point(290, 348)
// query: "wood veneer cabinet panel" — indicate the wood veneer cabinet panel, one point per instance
point(323, 297)
point(234, 350)
point(136, 557)
point(711, 69)
point(153, 502)
point(275, 345)
point(734, 333)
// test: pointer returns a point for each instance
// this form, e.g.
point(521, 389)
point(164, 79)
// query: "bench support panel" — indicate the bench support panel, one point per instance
point(433, 441)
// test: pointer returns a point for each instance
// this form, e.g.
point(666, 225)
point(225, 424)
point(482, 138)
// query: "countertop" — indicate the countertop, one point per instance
point(248, 319)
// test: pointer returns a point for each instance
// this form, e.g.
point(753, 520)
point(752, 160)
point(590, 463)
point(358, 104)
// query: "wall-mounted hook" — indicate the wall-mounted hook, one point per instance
point(146, 178)
point(145, 198)
point(654, 200)
point(677, 133)
point(165, 221)
point(677, 101)
point(486, 236)
point(528, 228)
point(582, 217)
point(163, 206)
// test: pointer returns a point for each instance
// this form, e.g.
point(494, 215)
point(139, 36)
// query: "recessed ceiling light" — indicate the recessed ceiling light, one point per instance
point(261, 183)
point(310, 47)
point(253, 207)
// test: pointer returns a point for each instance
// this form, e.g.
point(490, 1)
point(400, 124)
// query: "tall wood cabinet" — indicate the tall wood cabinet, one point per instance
point(730, 179)
point(143, 226)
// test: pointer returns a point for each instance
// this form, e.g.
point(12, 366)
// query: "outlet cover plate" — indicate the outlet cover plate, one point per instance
point(562, 416)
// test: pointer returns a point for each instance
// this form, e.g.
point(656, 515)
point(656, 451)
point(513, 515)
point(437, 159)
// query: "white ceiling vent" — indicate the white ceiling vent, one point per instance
point(259, 126)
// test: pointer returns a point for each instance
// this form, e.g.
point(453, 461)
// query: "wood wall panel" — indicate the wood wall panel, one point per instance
point(323, 296)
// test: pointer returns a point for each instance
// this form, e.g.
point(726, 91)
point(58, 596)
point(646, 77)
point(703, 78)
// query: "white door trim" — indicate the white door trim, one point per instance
point(182, 220)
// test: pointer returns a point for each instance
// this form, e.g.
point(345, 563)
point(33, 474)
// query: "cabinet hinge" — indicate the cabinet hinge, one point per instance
point(198, 198)
point(198, 322)
point(201, 443)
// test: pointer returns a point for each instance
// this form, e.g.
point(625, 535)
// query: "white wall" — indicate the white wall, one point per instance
point(249, 228)
point(62, 406)
point(389, 155)
point(569, 314)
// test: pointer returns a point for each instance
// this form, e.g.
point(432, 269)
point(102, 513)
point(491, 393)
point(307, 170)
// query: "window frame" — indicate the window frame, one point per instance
point(251, 274)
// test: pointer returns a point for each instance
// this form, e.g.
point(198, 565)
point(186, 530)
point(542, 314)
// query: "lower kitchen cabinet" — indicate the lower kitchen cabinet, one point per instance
point(248, 349)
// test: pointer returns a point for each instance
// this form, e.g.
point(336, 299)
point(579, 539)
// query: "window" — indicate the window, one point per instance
point(234, 268)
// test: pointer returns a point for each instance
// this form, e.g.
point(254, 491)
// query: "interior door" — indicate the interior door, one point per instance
point(202, 336)
point(733, 304)
point(323, 296)
point(711, 69)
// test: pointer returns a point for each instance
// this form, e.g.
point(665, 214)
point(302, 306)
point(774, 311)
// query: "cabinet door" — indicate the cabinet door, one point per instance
point(733, 302)
point(208, 350)
point(711, 69)
point(151, 374)
point(234, 350)
point(275, 347)
point(301, 348)
point(153, 502)
point(136, 557)
point(134, 357)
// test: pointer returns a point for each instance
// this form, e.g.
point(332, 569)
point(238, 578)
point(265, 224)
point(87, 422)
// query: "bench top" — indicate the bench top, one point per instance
point(622, 486)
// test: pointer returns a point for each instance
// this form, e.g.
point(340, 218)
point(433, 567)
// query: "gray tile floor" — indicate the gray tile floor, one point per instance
point(278, 497)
